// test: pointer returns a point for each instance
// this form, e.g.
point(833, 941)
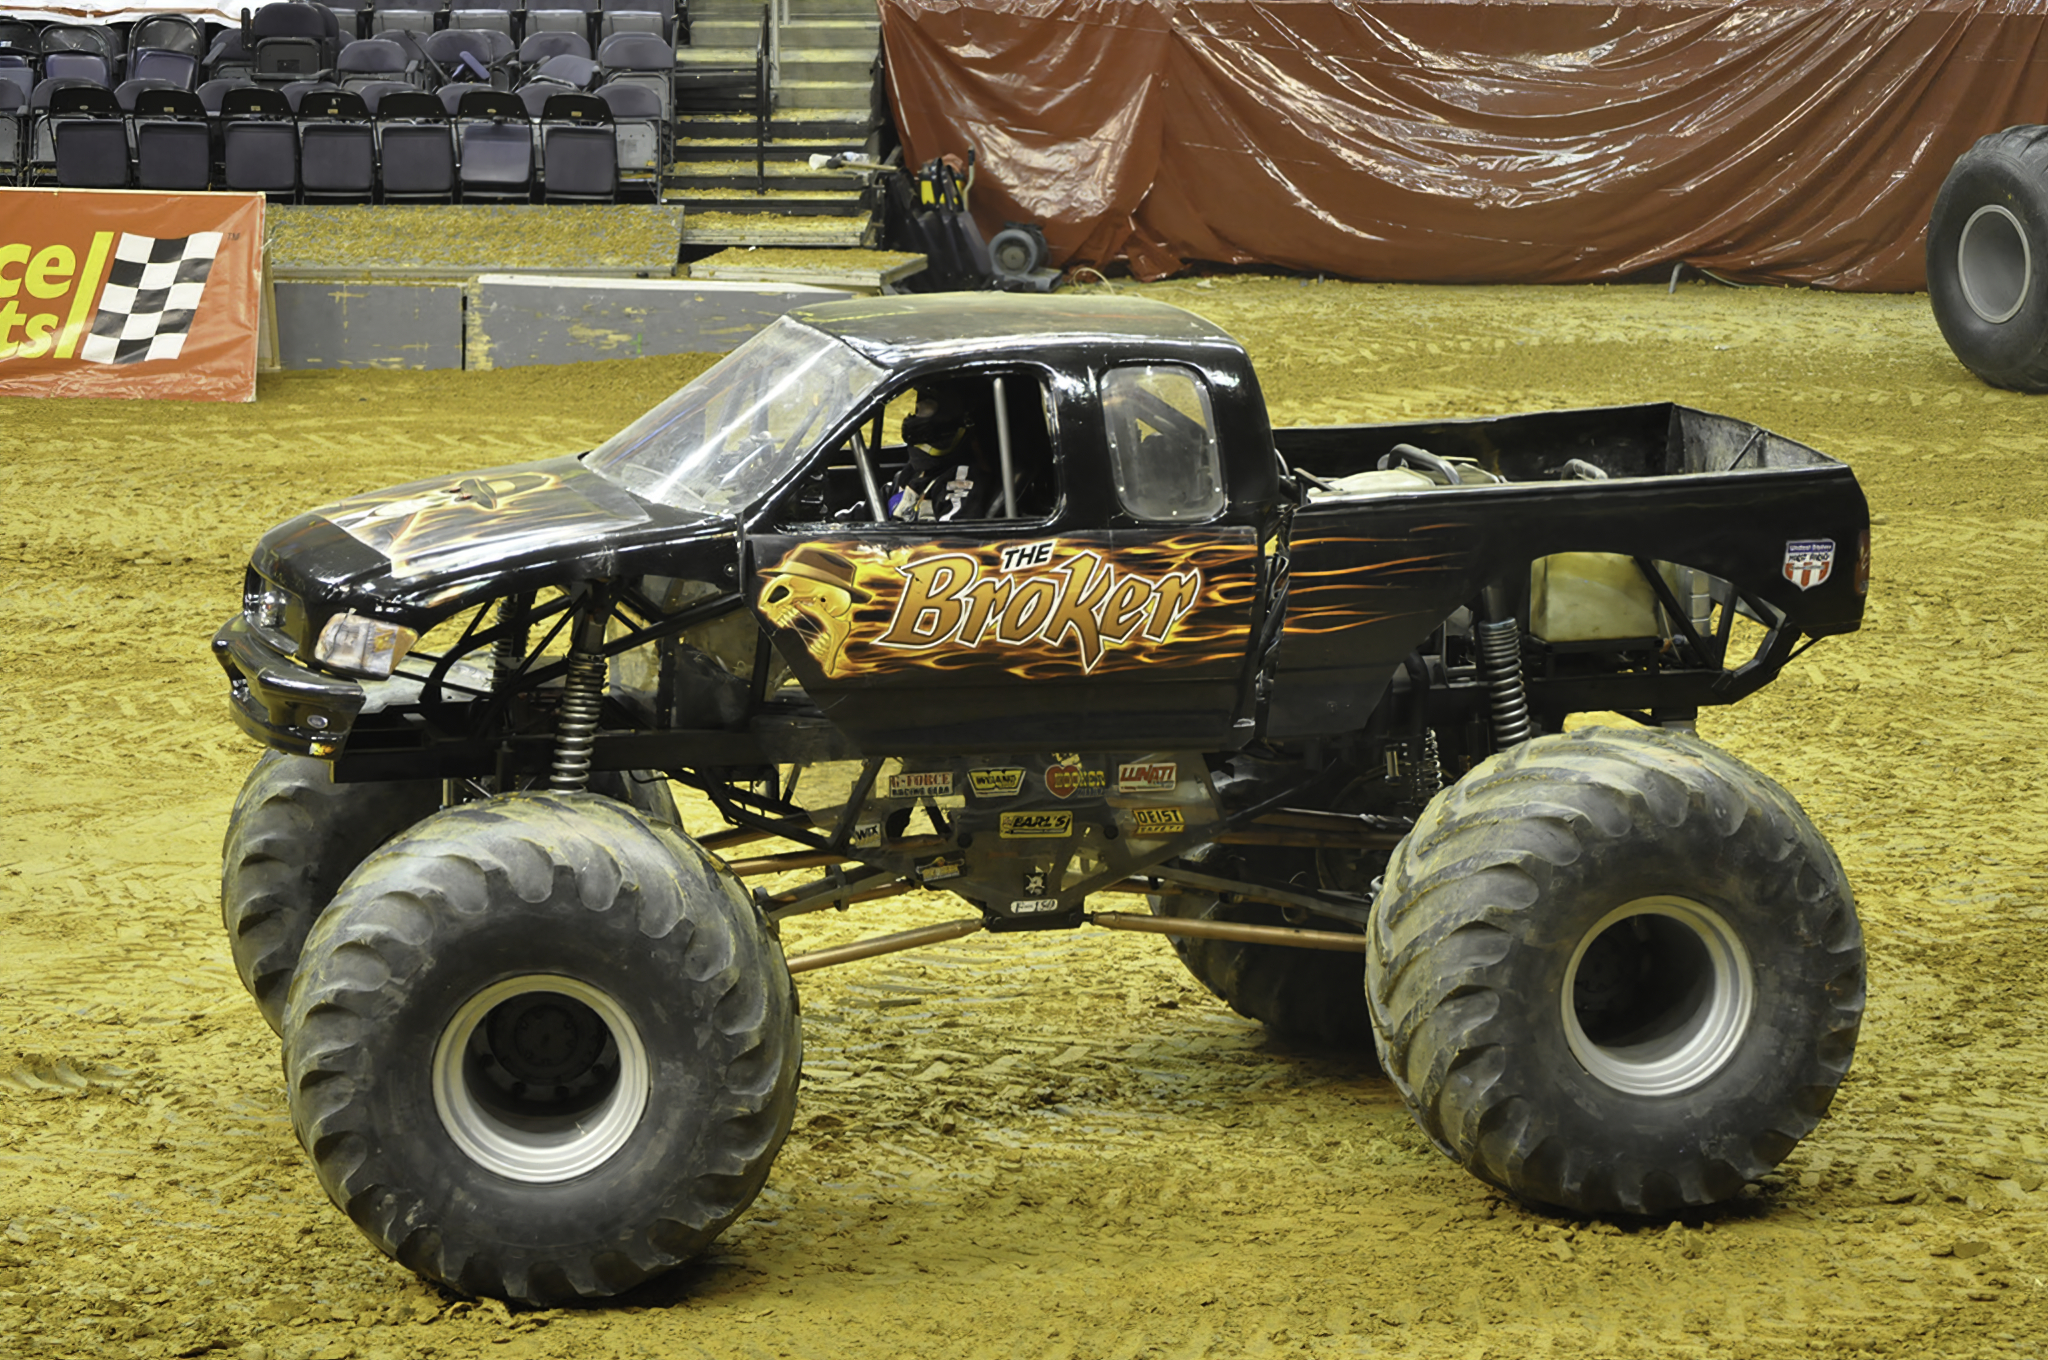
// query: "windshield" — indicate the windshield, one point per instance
point(723, 441)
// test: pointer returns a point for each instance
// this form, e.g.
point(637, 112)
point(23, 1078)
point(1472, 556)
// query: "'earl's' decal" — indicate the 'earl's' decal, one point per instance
point(1045, 608)
point(1024, 825)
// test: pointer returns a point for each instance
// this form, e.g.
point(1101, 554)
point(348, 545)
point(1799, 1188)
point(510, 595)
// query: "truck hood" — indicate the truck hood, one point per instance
point(429, 545)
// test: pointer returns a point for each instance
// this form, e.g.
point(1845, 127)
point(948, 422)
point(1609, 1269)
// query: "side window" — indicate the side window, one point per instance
point(936, 451)
point(1162, 443)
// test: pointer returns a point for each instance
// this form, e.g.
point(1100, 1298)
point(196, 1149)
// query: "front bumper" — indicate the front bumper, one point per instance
point(286, 706)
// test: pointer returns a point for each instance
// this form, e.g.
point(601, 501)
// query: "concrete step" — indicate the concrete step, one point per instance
point(724, 227)
point(780, 172)
point(812, 65)
point(861, 33)
point(775, 202)
point(825, 94)
point(800, 11)
point(846, 127)
point(742, 149)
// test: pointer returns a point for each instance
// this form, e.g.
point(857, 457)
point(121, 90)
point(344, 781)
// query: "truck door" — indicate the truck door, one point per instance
point(1107, 605)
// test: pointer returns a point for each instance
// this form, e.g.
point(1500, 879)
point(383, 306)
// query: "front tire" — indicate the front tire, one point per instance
point(541, 1048)
point(1987, 259)
point(1616, 971)
point(292, 838)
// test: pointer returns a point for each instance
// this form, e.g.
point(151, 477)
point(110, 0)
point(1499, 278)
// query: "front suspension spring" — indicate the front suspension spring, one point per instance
point(582, 702)
point(1500, 661)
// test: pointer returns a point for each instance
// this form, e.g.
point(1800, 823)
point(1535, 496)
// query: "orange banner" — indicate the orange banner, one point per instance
point(114, 293)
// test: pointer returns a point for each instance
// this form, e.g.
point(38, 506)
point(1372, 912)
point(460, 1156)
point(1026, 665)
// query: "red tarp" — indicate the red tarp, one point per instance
point(1465, 141)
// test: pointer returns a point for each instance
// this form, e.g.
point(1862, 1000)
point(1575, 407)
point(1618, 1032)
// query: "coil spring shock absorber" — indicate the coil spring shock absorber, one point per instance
point(582, 697)
point(1426, 775)
point(508, 653)
point(1500, 662)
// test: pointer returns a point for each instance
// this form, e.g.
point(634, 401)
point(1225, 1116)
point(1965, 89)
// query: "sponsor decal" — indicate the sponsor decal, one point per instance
point(1024, 825)
point(1067, 776)
point(1034, 881)
point(996, 783)
point(940, 869)
point(867, 836)
point(1166, 821)
point(1809, 561)
point(920, 784)
point(1034, 906)
point(1148, 776)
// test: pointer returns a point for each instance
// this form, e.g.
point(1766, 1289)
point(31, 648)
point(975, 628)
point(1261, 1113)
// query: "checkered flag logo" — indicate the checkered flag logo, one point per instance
point(152, 293)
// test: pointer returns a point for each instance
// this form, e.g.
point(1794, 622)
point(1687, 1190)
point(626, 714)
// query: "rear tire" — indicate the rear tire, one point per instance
point(1987, 259)
point(1312, 996)
point(542, 1049)
point(1616, 971)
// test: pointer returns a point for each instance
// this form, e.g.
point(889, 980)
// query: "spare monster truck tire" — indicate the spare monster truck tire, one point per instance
point(1987, 259)
point(1616, 971)
point(1311, 995)
point(295, 834)
point(292, 838)
point(541, 1048)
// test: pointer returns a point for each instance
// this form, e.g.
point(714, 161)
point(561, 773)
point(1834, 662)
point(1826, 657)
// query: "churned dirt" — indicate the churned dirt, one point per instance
point(1051, 1146)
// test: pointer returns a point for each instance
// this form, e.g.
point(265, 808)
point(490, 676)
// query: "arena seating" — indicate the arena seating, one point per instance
point(305, 101)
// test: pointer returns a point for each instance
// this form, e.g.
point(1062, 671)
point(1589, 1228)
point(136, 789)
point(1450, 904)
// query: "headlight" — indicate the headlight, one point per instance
point(362, 646)
point(265, 605)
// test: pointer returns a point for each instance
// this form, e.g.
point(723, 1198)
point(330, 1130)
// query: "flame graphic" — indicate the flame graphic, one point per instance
point(1060, 608)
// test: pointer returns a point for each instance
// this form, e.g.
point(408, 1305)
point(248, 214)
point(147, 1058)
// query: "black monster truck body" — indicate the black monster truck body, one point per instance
point(1185, 654)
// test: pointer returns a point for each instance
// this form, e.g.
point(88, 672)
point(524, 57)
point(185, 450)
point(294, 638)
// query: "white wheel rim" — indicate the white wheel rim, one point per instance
point(1994, 263)
point(555, 1110)
point(1666, 1003)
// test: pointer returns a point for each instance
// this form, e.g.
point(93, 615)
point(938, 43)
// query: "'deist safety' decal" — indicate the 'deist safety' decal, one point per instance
point(1038, 609)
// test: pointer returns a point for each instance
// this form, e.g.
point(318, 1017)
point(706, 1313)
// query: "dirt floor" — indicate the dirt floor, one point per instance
point(1051, 1146)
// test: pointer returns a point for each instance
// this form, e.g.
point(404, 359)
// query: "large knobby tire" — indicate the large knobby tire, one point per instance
point(1987, 259)
point(295, 835)
point(1616, 971)
point(540, 1048)
point(1314, 996)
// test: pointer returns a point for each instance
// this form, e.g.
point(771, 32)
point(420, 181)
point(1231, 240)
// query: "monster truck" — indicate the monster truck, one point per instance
point(1307, 691)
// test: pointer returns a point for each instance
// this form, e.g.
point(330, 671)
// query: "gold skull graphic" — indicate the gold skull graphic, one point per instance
point(811, 593)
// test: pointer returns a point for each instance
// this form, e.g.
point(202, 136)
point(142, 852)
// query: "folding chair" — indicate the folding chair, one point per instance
point(173, 143)
point(536, 48)
point(452, 94)
point(13, 127)
point(39, 146)
point(259, 142)
point(90, 137)
point(479, 54)
point(337, 148)
point(496, 15)
point(495, 147)
point(291, 40)
point(641, 137)
point(579, 156)
point(641, 59)
point(563, 16)
point(229, 58)
point(634, 16)
point(569, 69)
point(296, 91)
point(416, 148)
point(369, 60)
point(18, 71)
point(415, 16)
point(77, 63)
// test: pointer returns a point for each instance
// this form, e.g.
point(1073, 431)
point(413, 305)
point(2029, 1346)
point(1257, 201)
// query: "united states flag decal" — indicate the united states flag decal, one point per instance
point(151, 296)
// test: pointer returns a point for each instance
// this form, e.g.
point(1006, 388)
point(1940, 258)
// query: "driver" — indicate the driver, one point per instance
point(947, 477)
